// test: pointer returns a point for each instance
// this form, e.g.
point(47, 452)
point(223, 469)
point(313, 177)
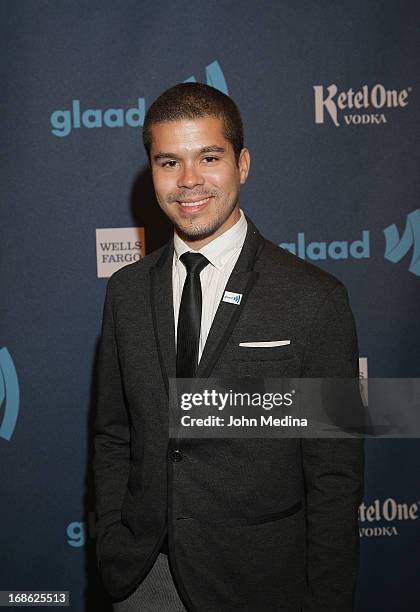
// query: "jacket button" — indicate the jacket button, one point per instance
point(176, 455)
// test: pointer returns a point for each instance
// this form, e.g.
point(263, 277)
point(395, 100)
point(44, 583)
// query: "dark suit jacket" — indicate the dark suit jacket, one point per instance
point(252, 524)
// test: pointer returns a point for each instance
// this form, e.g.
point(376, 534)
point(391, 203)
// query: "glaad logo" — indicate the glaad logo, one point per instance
point(78, 531)
point(9, 394)
point(63, 121)
point(214, 77)
point(357, 106)
point(396, 247)
point(380, 517)
point(337, 249)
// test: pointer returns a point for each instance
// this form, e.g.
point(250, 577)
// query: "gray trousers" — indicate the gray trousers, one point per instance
point(157, 592)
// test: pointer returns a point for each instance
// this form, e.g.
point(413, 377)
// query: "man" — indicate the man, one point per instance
point(249, 524)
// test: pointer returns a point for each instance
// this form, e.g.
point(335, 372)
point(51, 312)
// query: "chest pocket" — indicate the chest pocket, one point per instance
point(263, 362)
point(263, 353)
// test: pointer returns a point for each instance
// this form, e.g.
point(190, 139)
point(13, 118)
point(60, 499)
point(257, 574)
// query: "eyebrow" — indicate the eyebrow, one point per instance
point(208, 149)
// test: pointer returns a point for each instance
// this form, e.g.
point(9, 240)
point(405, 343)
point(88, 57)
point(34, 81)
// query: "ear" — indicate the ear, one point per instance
point(244, 163)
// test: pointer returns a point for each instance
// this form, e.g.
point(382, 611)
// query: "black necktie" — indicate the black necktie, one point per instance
point(189, 318)
point(189, 325)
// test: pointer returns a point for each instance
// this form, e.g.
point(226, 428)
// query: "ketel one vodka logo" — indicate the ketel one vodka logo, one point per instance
point(382, 517)
point(366, 106)
point(9, 395)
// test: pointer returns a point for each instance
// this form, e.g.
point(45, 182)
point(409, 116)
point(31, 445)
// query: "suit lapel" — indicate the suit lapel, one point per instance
point(161, 298)
point(241, 281)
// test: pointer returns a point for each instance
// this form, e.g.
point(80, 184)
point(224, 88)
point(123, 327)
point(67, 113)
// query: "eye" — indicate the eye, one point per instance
point(169, 164)
point(210, 158)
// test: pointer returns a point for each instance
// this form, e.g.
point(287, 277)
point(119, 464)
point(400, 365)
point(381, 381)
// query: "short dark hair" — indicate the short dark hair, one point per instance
point(194, 101)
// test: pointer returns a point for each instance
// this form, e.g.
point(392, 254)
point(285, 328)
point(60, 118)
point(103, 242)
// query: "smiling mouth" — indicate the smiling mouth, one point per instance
point(194, 203)
point(191, 207)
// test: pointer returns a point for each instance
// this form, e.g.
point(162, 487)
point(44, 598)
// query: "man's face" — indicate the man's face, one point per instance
point(196, 177)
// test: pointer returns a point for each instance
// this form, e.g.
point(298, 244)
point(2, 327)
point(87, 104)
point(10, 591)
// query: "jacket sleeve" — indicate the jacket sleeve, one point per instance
point(111, 426)
point(333, 468)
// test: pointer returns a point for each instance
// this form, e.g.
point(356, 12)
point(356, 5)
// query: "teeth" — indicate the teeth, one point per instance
point(195, 203)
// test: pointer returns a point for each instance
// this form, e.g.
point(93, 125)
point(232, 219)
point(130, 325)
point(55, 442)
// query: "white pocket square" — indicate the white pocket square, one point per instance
point(269, 344)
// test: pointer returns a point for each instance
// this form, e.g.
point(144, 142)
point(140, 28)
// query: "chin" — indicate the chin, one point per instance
point(198, 232)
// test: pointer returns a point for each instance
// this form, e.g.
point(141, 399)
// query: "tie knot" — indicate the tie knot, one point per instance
point(194, 262)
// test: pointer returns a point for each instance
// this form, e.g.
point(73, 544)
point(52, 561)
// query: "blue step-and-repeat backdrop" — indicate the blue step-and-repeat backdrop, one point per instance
point(329, 93)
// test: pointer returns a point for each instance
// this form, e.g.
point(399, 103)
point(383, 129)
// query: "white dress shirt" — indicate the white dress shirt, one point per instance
point(222, 253)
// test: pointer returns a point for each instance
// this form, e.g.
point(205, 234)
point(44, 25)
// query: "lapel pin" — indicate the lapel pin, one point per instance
point(232, 298)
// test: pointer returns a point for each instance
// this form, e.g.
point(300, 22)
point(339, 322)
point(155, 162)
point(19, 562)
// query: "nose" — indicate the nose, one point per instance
point(190, 177)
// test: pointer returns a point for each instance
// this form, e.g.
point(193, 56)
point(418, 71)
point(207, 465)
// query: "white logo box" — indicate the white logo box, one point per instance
point(117, 247)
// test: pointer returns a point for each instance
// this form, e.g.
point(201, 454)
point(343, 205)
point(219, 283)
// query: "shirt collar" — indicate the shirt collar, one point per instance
point(219, 250)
